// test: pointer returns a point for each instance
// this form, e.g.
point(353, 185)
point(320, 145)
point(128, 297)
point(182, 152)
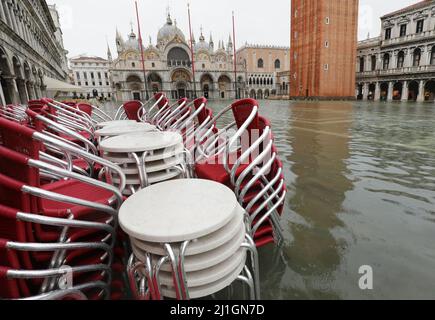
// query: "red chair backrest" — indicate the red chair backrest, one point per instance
point(69, 103)
point(18, 138)
point(131, 108)
point(242, 110)
point(163, 103)
point(85, 107)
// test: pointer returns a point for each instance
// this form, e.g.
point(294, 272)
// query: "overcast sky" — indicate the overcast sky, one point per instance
point(86, 24)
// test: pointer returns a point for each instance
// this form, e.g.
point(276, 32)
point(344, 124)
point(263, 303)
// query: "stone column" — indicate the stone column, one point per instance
point(2, 97)
point(420, 97)
point(405, 91)
point(390, 91)
point(2, 14)
point(365, 91)
point(377, 92)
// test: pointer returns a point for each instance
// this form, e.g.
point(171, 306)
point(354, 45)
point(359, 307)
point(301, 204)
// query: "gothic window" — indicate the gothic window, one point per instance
point(277, 64)
point(400, 59)
point(260, 63)
point(417, 57)
point(133, 65)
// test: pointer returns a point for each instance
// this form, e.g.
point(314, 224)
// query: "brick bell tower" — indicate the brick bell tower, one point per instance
point(323, 49)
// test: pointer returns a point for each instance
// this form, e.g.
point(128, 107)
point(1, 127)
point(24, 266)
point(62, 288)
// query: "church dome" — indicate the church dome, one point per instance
point(169, 31)
point(132, 42)
point(202, 44)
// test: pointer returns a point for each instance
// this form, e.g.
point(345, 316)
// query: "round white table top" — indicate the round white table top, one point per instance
point(161, 154)
point(177, 210)
point(141, 142)
point(115, 123)
point(200, 245)
point(112, 131)
point(206, 290)
point(207, 276)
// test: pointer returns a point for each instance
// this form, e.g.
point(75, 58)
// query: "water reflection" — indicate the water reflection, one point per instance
point(361, 181)
point(319, 135)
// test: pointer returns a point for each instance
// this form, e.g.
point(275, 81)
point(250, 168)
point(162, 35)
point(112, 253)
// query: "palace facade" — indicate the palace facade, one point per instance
point(400, 64)
point(31, 49)
point(265, 67)
point(168, 65)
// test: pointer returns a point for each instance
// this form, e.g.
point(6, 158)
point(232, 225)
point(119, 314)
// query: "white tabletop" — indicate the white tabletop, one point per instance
point(115, 123)
point(178, 210)
point(200, 245)
point(155, 155)
point(206, 290)
point(152, 166)
point(112, 131)
point(210, 275)
point(153, 177)
point(141, 142)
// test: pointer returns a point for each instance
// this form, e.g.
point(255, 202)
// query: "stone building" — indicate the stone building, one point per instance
point(263, 65)
point(31, 49)
point(400, 64)
point(323, 48)
point(92, 74)
point(168, 65)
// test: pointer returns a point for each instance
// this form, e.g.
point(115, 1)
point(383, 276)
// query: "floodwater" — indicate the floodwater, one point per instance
point(361, 191)
point(361, 181)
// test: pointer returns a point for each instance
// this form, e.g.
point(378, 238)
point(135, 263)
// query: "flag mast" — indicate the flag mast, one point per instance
point(235, 58)
point(147, 97)
point(191, 51)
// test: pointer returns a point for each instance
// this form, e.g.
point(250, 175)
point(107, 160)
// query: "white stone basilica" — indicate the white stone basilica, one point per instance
point(168, 67)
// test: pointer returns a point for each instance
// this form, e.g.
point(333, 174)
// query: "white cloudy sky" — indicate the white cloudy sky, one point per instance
point(88, 23)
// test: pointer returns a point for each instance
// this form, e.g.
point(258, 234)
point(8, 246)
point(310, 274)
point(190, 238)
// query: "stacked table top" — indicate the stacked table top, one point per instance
point(200, 211)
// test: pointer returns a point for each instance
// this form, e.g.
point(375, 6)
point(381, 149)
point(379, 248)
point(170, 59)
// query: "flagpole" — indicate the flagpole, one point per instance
point(191, 51)
point(147, 97)
point(235, 58)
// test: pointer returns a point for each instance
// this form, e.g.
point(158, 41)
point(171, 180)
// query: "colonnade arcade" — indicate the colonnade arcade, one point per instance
point(20, 82)
point(397, 90)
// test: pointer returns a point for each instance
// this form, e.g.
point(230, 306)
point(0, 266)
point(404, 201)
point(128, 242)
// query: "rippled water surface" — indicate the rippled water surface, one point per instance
point(361, 181)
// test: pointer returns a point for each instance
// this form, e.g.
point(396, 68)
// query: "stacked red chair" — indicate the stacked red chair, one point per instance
point(50, 232)
point(248, 164)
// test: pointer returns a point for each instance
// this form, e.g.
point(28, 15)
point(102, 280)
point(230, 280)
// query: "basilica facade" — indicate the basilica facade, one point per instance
point(168, 67)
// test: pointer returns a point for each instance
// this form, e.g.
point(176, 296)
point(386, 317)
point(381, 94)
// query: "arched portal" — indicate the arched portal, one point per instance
point(155, 83)
point(266, 94)
point(413, 91)
point(252, 94)
point(397, 91)
point(206, 83)
point(260, 94)
point(224, 83)
point(135, 85)
point(429, 91)
point(181, 79)
point(6, 79)
point(384, 91)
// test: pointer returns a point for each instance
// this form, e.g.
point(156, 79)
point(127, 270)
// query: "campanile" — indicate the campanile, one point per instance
point(323, 48)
